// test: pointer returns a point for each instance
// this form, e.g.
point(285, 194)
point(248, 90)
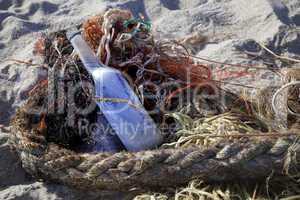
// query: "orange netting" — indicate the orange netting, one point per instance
point(92, 31)
point(185, 69)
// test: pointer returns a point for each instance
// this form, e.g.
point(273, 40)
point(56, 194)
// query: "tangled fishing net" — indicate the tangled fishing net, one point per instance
point(208, 142)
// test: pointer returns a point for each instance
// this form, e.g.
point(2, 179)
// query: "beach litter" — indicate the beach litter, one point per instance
point(210, 136)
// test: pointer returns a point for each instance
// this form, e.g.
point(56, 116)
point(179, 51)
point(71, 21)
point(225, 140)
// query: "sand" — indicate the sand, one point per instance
point(232, 27)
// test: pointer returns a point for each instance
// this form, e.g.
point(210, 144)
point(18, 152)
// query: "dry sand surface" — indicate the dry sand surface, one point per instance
point(232, 27)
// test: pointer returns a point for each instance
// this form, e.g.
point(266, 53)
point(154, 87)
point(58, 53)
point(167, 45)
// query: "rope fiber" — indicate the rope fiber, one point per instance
point(251, 158)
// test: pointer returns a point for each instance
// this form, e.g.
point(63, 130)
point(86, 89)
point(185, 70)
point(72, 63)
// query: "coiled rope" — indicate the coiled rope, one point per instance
point(250, 158)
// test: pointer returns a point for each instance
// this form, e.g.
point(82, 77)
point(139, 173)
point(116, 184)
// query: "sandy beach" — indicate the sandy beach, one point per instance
point(232, 29)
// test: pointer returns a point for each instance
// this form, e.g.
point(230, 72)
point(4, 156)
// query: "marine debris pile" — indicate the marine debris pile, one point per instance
point(208, 132)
